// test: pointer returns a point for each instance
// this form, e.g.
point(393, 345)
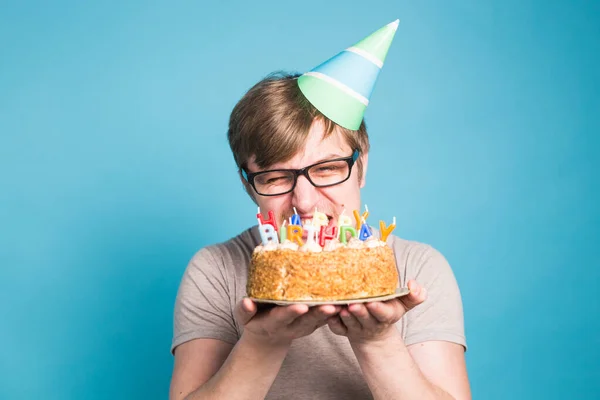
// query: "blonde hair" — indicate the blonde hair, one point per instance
point(272, 120)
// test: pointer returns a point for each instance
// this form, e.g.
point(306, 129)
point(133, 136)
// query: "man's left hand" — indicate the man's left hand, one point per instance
point(368, 322)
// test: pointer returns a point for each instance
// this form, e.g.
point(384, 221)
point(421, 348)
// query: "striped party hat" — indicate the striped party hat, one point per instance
point(341, 87)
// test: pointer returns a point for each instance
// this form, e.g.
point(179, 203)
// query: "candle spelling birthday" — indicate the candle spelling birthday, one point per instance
point(319, 230)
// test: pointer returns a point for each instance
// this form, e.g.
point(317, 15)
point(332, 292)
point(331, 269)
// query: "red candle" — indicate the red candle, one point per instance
point(323, 235)
point(270, 221)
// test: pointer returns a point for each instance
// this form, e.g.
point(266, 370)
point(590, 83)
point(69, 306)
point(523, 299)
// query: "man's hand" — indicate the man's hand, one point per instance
point(281, 325)
point(375, 321)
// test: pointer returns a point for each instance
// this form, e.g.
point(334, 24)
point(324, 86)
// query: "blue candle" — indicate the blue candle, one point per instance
point(268, 234)
point(365, 232)
point(295, 219)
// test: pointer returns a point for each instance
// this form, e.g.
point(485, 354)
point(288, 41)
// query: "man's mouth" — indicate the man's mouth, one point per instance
point(307, 220)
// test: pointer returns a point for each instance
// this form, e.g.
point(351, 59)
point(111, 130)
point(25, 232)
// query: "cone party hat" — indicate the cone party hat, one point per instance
point(341, 87)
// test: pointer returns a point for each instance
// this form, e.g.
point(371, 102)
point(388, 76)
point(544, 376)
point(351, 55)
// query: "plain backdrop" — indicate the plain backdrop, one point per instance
point(115, 170)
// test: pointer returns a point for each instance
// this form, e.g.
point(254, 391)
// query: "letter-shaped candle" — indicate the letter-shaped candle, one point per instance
point(344, 220)
point(385, 231)
point(283, 232)
point(323, 235)
point(295, 219)
point(343, 230)
point(320, 219)
point(310, 233)
point(267, 234)
point(358, 218)
point(365, 231)
point(270, 221)
point(294, 234)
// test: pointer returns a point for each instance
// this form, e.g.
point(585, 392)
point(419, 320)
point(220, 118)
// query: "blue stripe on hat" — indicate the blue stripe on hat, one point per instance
point(353, 70)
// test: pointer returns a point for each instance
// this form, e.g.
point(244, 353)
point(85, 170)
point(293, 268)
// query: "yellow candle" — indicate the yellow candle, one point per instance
point(385, 231)
point(294, 234)
point(358, 218)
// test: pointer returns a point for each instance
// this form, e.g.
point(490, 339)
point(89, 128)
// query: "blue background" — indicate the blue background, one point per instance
point(114, 170)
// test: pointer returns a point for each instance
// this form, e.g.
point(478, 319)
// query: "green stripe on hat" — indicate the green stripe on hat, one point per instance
point(378, 43)
point(333, 102)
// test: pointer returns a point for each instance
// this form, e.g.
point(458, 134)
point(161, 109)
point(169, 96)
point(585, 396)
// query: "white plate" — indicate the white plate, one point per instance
point(399, 293)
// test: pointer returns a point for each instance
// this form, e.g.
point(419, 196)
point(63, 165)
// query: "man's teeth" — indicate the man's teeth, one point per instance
point(308, 221)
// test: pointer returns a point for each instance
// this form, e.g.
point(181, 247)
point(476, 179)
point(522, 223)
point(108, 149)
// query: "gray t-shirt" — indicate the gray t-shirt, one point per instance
point(321, 365)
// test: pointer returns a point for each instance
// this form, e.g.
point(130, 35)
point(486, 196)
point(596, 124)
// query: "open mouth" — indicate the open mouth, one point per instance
point(308, 221)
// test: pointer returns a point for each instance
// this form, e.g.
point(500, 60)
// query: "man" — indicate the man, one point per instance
point(225, 348)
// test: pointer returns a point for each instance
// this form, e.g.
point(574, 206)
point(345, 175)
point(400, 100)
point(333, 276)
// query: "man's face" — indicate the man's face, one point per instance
point(305, 197)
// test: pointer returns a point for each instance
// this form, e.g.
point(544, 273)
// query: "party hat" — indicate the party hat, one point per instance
point(341, 87)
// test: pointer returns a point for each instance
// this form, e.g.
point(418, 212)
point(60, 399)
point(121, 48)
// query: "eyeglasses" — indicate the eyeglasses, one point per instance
point(276, 182)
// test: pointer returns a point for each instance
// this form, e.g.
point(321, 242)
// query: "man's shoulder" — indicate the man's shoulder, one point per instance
point(413, 247)
point(415, 255)
point(240, 246)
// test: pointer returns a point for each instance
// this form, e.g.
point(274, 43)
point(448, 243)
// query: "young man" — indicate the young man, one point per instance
point(407, 348)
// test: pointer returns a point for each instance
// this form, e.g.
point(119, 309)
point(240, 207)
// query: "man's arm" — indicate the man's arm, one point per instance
point(196, 362)
point(437, 371)
point(443, 364)
point(213, 369)
point(428, 370)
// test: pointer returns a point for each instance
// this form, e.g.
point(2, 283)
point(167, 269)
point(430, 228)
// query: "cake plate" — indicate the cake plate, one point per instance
point(399, 293)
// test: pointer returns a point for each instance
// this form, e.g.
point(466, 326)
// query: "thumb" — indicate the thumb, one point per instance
point(245, 310)
point(417, 295)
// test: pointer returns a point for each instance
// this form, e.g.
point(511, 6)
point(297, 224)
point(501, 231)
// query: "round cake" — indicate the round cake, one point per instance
point(309, 272)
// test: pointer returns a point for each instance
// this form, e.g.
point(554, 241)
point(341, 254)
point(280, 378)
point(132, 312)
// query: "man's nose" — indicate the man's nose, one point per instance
point(305, 195)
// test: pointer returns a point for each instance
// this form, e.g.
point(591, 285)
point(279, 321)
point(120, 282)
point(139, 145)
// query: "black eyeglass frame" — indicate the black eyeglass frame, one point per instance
point(249, 176)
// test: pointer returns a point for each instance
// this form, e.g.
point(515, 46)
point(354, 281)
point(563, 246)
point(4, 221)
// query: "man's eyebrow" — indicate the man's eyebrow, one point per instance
point(327, 157)
point(330, 156)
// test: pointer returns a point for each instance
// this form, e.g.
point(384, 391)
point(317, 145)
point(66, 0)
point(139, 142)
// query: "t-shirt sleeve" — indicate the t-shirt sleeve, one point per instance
point(440, 317)
point(202, 305)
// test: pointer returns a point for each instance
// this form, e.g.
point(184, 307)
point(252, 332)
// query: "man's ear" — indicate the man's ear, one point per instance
point(365, 163)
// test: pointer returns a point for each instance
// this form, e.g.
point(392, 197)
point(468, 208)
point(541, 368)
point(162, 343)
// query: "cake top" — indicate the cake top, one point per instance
point(320, 233)
point(314, 247)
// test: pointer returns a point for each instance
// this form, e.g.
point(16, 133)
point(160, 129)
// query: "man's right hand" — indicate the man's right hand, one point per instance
point(282, 324)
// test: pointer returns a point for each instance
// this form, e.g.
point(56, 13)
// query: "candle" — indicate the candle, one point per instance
point(295, 219)
point(365, 231)
point(364, 216)
point(323, 235)
point(267, 233)
point(294, 234)
point(344, 220)
point(270, 221)
point(283, 232)
point(343, 233)
point(310, 233)
point(385, 231)
point(319, 219)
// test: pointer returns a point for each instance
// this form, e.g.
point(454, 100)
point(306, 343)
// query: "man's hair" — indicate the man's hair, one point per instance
point(272, 120)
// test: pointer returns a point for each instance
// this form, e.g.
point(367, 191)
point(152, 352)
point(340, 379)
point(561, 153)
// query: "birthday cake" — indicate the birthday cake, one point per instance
point(333, 262)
